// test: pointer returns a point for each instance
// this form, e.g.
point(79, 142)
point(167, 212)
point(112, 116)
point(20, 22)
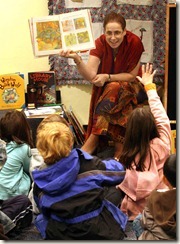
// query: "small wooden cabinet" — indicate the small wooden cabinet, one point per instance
point(170, 88)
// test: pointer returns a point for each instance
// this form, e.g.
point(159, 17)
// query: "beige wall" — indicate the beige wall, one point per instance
point(16, 53)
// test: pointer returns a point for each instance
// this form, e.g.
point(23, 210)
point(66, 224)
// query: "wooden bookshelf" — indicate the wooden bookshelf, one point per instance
point(170, 89)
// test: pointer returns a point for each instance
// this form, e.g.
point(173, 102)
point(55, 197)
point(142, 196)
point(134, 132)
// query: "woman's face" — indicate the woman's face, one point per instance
point(114, 34)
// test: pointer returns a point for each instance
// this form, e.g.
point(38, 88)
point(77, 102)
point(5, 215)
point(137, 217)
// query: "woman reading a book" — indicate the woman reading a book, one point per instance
point(112, 69)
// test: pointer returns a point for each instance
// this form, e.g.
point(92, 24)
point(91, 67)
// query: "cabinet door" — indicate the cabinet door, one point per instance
point(170, 88)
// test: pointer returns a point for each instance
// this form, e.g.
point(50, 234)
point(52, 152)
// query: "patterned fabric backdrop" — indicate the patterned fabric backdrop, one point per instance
point(67, 74)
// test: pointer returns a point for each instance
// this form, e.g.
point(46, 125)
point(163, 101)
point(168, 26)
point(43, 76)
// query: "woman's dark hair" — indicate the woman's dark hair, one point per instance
point(114, 17)
point(14, 127)
point(169, 169)
point(141, 129)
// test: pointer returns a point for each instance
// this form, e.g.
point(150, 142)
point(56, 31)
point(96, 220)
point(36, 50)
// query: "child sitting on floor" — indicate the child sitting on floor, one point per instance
point(36, 159)
point(15, 214)
point(158, 220)
point(69, 190)
point(146, 147)
point(14, 174)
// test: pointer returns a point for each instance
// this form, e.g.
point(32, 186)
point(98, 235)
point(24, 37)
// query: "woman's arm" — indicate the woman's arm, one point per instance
point(89, 70)
point(101, 79)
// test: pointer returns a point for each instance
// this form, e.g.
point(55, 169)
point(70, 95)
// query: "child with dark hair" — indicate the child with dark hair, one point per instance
point(169, 171)
point(146, 147)
point(158, 220)
point(15, 211)
point(14, 174)
point(70, 190)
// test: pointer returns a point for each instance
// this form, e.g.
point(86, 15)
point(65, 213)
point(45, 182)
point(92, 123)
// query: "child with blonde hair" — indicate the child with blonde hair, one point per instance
point(37, 160)
point(69, 190)
point(59, 139)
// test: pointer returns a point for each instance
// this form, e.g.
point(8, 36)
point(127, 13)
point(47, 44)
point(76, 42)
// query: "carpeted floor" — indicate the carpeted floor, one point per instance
point(32, 234)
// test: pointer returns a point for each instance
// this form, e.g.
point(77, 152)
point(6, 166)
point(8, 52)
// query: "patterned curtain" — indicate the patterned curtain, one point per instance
point(67, 74)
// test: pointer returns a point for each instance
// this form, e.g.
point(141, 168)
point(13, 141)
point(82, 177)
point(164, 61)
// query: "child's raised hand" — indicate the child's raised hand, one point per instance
point(147, 74)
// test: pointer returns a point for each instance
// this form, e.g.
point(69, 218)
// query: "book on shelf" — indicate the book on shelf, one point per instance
point(72, 30)
point(41, 88)
point(42, 112)
point(12, 91)
point(77, 128)
point(76, 122)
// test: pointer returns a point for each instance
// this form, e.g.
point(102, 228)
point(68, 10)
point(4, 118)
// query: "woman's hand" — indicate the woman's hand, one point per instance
point(69, 54)
point(100, 79)
point(147, 74)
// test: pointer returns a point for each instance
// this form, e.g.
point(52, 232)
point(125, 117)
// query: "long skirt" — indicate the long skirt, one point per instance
point(110, 107)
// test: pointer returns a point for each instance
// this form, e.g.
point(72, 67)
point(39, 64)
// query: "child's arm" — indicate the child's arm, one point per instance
point(156, 106)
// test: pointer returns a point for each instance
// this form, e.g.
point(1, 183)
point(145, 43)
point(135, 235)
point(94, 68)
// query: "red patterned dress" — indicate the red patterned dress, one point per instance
point(111, 104)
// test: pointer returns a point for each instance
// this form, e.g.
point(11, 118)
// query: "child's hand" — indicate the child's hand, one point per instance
point(147, 74)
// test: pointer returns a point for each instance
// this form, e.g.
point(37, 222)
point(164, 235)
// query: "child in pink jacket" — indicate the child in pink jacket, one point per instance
point(146, 147)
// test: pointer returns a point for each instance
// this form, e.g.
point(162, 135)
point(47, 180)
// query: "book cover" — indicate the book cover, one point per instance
point(50, 34)
point(12, 91)
point(41, 88)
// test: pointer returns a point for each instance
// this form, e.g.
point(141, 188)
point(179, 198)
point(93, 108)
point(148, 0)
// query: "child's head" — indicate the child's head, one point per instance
point(52, 118)
point(141, 129)
point(14, 127)
point(169, 170)
point(54, 141)
point(141, 126)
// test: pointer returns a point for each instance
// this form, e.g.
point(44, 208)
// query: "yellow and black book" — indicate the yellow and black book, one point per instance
point(12, 91)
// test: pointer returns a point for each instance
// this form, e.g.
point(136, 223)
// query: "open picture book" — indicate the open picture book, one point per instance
point(50, 34)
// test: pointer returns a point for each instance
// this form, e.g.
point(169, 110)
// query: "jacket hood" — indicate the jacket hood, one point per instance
point(162, 206)
point(59, 176)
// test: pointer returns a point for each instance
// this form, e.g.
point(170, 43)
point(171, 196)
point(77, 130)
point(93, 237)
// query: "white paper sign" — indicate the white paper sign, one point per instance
point(83, 3)
point(135, 2)
point(143, 29)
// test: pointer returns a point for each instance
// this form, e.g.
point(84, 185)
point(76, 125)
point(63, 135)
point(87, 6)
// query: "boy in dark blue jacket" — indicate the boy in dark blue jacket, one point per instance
point(69, 190)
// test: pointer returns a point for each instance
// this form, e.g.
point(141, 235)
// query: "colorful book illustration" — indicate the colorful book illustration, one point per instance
point(52, 33)
point(12, 91)
point(41, 89)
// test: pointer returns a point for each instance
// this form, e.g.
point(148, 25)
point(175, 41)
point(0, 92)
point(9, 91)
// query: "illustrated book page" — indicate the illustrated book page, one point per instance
point(71, 30)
